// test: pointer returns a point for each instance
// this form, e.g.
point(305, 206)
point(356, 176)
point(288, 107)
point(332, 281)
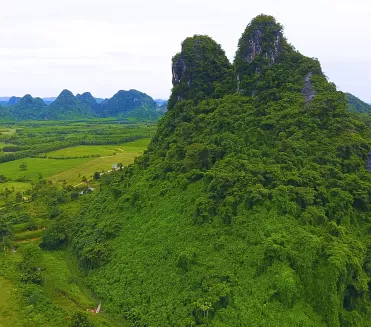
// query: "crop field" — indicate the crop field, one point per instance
point(7, 131)
point(124, 154)
point(101, 150)
point(65, 153)
point(2, 145)
point(35, 166)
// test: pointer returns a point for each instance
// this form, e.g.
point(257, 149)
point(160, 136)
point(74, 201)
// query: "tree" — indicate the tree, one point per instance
point(3, 179)
point(96, 175)
point(30, 266)
point(5, 231)
point(18, 197)
point(84, 179)
point(23, 166)
point(74, 195)
point(80, 319)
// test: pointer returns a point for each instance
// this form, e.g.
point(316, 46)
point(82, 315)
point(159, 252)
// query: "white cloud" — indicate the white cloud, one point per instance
point(104, 46)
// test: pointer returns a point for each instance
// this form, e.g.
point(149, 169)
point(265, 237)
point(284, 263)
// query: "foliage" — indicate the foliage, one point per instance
point(31, 266)
point(80, 319)
point(29, 108)
point(357, 105)
point(246, 209)
point(200, 70)
point(129, 105)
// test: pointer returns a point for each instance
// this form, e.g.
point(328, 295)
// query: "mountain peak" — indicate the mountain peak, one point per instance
point(262, 39)
point(87, 98)
point(66, 94)
point(13, 100)
point(27, 99)
point(200, 70)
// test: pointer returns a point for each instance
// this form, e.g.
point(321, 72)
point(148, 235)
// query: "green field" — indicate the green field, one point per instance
point(7, 131)
point(35, 166)
point(66, 169)
point(124, 154)
point(101, 150)
point(17, 186)
point(2, 144)
point(65, 152)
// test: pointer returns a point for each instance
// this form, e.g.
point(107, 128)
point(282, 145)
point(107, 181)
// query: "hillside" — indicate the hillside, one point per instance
point(130, 105)
point(357, 105)
point(67, 106)
point(88, 99)
point(247, 209)
point(29, 108)
point(127, 104)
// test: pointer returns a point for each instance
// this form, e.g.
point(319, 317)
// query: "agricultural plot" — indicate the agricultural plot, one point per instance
point(124, 154)
point(64, 153)
point(36, 166)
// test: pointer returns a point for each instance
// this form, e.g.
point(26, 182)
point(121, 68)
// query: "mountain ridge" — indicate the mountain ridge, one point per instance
point(130, 104)
point(248, 208)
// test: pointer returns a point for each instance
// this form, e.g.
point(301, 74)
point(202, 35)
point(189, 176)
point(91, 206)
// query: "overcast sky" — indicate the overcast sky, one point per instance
point(103, 46)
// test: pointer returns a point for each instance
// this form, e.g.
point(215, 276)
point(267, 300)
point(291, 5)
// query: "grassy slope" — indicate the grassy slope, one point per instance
point(63, 291)
point(62, 294)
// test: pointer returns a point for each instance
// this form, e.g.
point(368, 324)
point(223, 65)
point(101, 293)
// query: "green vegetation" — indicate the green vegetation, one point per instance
point(250, 209)
point(357, 105)
point(67, 106)
point(31, 142)
point(29, 108)
point(201, 70)
point(42, 287)
point(129, 105)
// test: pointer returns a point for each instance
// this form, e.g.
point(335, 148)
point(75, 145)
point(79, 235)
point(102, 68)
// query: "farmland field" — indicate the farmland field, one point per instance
point(124, 153)
point(65, 153)
point(40, 163)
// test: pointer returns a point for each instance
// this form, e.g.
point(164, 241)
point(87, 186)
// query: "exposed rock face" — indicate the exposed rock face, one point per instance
point(255, 47)
point(201, 70)
point(178, 69)
point(368, 162)
point(260, 47)
point(262, 38)
point(308, 90)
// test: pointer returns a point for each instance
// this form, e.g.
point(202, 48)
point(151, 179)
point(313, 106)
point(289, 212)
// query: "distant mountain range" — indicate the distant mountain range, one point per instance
point(132, 105)
point(357, 105)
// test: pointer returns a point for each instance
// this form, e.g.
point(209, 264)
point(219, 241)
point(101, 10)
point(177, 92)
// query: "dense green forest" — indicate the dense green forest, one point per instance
point(130, 105)
point(250, 206)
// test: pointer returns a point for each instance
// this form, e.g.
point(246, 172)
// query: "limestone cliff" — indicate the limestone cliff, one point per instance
point(201, 70)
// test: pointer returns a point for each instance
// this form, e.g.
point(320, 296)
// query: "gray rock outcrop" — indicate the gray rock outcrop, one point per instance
point(308, 90)
point(368, 162)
